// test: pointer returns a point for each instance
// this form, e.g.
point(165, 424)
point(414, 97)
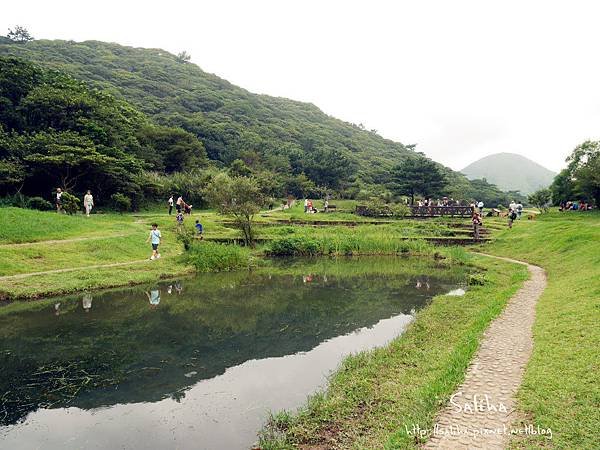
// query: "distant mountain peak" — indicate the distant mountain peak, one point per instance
point(510, 172)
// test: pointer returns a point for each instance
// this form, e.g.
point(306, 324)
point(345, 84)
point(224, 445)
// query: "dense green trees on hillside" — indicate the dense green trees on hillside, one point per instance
point(55, 131)
point(141, 114)
point(580, 181)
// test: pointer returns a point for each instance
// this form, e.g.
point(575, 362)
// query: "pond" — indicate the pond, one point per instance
point(199, 362)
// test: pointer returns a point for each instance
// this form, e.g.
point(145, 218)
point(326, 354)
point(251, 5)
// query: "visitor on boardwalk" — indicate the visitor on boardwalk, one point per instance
point(199, 229)
point(154, 237)
point(477, 222)
point(178, 203)
point(512, 215)
point(58, 199)
point(88, 202)
point(170, 202)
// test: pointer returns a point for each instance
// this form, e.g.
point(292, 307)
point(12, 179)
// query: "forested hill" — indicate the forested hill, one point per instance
point(291, 147)
point(231, 122)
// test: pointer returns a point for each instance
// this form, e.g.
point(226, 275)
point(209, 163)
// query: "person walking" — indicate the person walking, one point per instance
point(519, 210)
point(88, 202)
point(305, 205)
point(512, 215)
point(179, 203)
point(199, 229)
point(170, 202)
point(154, 237)
point(58, 200)
point(477, 222)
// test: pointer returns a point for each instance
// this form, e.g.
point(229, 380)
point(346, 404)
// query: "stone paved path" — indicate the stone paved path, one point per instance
point(493, 377)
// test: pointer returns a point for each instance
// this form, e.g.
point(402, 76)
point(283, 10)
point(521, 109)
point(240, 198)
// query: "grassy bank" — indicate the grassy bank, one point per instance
point(561, 387)
point(375, 394)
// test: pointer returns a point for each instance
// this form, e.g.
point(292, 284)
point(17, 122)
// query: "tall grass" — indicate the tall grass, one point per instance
point(213, 257)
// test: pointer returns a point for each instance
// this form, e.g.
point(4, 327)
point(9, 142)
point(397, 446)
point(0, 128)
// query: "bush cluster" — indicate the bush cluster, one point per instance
point(213, 257)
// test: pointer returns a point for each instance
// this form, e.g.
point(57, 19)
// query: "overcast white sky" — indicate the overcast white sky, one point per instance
point(462, 79)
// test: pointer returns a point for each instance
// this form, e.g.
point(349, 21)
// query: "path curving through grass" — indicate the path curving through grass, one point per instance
point(481, 411)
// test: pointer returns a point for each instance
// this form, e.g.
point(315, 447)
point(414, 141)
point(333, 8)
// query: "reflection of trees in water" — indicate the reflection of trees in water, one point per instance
point(216, 322)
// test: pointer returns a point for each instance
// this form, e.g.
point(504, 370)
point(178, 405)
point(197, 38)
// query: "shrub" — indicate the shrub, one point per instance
point(70, 203)
point(121, 202)
point(399, 210)
point(212, 257)
point(40, 204)
point(294, 246)
point(186, 237)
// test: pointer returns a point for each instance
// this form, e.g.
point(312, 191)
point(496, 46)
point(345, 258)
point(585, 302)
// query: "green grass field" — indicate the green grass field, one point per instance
point(561, 388)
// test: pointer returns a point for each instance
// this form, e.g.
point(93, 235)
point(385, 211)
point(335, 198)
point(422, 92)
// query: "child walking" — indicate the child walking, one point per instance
point(154, 237)
point(199, 229)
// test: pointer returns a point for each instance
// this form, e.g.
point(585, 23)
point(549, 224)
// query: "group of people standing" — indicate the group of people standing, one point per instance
point(180, 205)
point(310, 209)
point(574, 206)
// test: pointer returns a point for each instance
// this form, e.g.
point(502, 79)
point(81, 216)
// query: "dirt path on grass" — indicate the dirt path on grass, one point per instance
point(482, 410)
point(71, 269)
point(62, 241)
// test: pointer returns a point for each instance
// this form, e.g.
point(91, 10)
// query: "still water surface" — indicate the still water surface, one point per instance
point(196, 363)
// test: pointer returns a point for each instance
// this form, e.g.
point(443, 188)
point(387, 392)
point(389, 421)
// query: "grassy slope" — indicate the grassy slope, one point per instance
point(561, 388)
point(375, 394)
point(114, 239)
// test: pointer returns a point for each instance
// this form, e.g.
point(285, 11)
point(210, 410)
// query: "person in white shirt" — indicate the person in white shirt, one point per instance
point(170, 202)
point(58, 199)
point(87, 302)
point(88, 203)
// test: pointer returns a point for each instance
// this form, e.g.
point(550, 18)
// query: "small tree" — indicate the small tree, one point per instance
point(238, 197)
point(19, 34)
point(541, 199)
point(70, 203)
point(183, 57)
point(121, 202)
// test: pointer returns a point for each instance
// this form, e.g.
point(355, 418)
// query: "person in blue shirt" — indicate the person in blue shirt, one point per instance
point(154, 237)
point(199, 229)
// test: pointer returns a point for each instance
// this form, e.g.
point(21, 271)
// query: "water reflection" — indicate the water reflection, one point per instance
point(144, 348)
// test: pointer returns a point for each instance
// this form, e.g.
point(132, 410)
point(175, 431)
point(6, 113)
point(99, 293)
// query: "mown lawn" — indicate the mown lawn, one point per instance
point(57, 241)
point(561, 388)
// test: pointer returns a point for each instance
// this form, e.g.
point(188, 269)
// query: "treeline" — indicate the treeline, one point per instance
point(292, 147)
point(580, 181)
